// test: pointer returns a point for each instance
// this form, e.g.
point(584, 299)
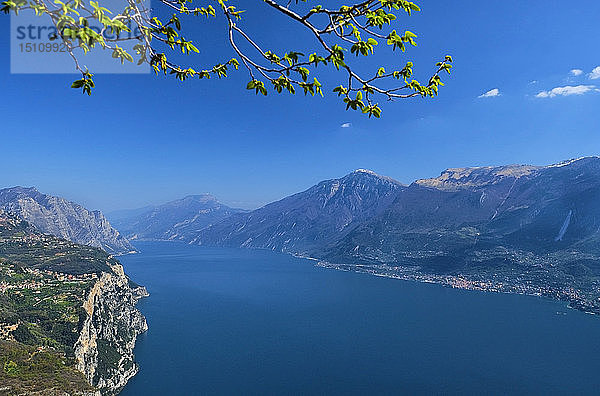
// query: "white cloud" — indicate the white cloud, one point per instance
point(346, 125)
point(567, 91)
point(490, 94)
point(576, 72)
point(533, 82)
point(595, 74)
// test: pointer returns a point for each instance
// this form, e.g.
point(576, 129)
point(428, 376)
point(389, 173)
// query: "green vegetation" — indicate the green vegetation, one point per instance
point(43, 283)
point(108, 359)
point(48, 311)
point(20, 245)
point(340, 39)
point(31, 369)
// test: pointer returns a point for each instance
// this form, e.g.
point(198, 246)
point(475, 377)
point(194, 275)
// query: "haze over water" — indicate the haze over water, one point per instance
point(232, 321)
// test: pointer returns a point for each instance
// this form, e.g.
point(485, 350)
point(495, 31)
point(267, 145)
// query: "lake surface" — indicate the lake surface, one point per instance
point(229, 321)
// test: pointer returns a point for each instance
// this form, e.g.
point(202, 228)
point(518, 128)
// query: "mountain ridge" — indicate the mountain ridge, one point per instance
point(63, 218)
point(307, 218)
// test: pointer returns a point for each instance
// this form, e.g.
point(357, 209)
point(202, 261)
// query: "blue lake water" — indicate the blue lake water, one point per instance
point(229, 321)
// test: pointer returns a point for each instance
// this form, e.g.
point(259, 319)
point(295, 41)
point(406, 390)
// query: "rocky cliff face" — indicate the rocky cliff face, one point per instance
point(455, 179)
point(104, 350)
point(64, 219)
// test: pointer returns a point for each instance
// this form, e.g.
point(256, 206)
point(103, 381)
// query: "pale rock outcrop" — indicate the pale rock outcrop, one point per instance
point(104, 350)
point(64, 219)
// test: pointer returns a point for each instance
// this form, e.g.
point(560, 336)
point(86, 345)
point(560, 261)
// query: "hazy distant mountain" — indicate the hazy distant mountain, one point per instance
point(64, 219)
point(182, 219)
point(310, 219)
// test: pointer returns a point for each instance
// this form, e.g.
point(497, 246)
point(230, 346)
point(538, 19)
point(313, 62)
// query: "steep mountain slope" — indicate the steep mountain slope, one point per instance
point(177, 220)
point(310, 219)
point(64, 219)
point(535, 209)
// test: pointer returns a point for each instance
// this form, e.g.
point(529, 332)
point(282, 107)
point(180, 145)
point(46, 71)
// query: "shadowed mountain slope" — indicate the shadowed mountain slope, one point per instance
point(308, 220)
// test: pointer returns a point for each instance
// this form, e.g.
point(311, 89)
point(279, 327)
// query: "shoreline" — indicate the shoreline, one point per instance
point(460, 282)
point(456, 282)
point(444, 281)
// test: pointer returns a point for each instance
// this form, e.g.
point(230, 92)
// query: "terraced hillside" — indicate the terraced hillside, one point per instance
point(45, 283)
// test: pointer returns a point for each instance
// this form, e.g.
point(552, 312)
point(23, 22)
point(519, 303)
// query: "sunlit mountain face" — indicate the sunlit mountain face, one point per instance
point(65, 219)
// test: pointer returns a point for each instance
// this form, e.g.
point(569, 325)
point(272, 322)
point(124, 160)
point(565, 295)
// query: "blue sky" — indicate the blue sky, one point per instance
point(142, 139)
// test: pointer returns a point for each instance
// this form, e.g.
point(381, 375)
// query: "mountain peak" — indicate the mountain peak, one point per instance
point(204, 197)
point(21, 189)
point(180, 219)
point(361, 171)
point(370, 172)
